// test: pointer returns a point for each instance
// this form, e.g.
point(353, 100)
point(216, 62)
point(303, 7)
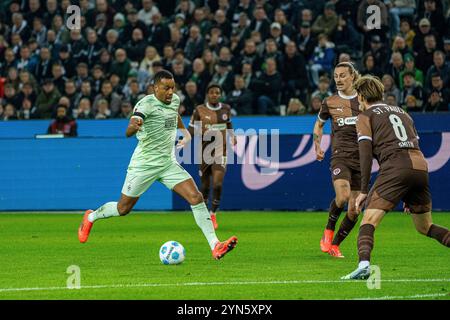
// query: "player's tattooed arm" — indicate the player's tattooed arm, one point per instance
point(317, 138)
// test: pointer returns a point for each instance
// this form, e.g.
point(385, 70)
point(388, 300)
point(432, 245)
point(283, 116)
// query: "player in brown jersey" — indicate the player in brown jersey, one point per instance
point(388, 134)
point(343, 109)
point(213, 116)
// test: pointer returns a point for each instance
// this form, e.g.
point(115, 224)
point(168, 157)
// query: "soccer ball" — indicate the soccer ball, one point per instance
point(172, 252)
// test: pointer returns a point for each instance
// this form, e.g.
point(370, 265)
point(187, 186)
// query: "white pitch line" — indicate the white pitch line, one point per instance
point(417, 296)
point(186, 284)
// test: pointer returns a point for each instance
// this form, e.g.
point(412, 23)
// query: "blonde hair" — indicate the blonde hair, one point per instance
point(351, 69)
point(370, 88)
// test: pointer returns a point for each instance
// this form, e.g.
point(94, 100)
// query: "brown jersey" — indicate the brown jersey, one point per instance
point(395, 142)
point(343, 112)
point(212, 118)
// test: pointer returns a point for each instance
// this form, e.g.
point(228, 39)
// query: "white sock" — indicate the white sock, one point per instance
point(363, 264)
point(203, 220)
point(107, 210)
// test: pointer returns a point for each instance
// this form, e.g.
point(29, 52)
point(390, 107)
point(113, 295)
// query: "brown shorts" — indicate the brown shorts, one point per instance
point(399, 184)
point(347, 170)
point(219, 165)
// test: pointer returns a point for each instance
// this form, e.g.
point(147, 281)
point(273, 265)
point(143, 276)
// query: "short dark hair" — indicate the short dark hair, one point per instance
point(163, 74)
point(214, 85)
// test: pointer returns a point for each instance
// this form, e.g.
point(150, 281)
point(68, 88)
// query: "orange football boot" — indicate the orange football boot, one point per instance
point(85, 227)
point(335, 252)
point(222, 248)
point(325, 242)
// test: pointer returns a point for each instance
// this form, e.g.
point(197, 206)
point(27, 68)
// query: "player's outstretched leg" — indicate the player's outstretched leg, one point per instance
point(372, 218)
point(425, 226)
point(109, 209)
point(347, 224)
point(188, 190)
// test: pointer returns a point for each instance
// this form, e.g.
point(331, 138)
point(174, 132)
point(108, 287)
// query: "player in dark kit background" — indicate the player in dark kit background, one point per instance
point(216, 116)
point(342, 108)
point(388, 134)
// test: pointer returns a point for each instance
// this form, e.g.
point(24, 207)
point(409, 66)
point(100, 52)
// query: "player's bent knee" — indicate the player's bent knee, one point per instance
point(195, 198)
point(352, 214)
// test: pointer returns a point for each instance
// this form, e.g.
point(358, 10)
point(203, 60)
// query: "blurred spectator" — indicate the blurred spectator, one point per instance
point(192, 98)
point(84, 110)
point(66, 61)
point(151, 55)
point(407, 33)
point(323, 57)
point(434, 14)
point(369, 66)
point(9, 113)
point(43, 67)
point(149, 9)
point(86, 91)
point(11, 96)
point(390, 88)
point(121, 65)
point(200, 75)
point(195, 43)
point(20, 26)
point(306, 41)
point(294, 73)
point(327, 22)
point(132, 23)
point(397, 8)
point(9, 61)
point(410, 67)
point(437, 88)
point(82, 74)
point(240, 98)
point(399, 45)
point(63, 123)
point(103, 111)
point(268, 89)
point(379, 52)
point(286, 27)
point(47, 99)
point(93, 47)
point(425, 56)
point(126, 110)
point(70, 91)
point(411, 88)
point(391, 99)
point(439, 66)
point(223, 76)
point(323, 90)
point(136, 47)
point(159, 34)
point(112, 99)
point(295, 107)
point(316, 104)
point(395, 67)
point(260, 22)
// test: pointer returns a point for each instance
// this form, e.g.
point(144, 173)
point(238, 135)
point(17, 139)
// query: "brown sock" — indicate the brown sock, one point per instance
point(346, 226)
point(217, 194)
point(333, 216)
point(365, 241)
point(440, 234)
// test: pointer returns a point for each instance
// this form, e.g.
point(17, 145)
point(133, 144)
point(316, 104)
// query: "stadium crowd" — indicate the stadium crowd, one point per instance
point(271, 57)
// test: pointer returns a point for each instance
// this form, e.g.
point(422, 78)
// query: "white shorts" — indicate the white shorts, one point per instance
point(136, 184)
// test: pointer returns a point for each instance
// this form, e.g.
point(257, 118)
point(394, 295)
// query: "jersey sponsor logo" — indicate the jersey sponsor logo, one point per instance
point(170, 123)
point(349, 121)
point(217, 126)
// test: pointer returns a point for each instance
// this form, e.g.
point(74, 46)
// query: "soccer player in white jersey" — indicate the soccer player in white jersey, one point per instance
point(155, 122)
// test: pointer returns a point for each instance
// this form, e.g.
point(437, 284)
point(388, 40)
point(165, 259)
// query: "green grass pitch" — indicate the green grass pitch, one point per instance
point(277, 257)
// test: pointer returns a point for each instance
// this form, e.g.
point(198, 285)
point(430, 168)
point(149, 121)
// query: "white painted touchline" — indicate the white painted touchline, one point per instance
point(186, 284)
